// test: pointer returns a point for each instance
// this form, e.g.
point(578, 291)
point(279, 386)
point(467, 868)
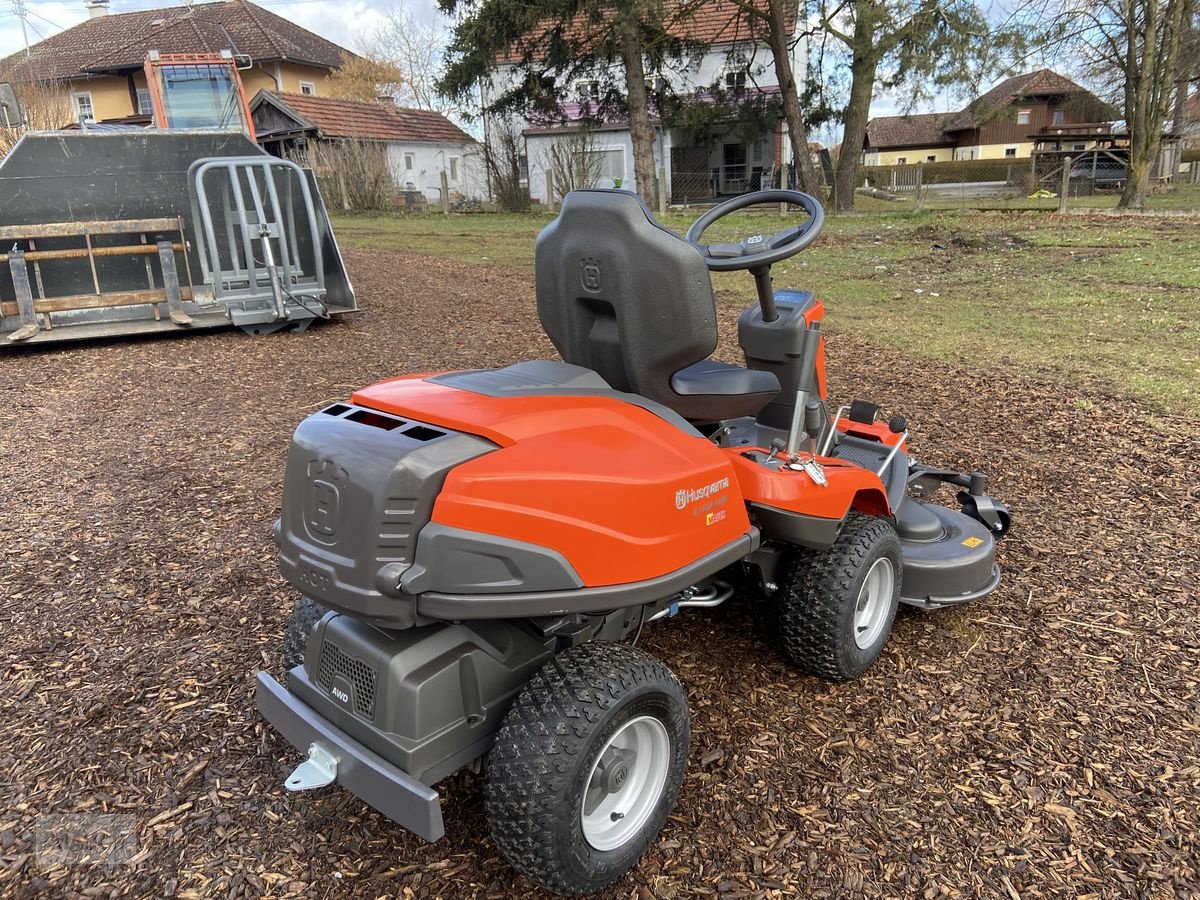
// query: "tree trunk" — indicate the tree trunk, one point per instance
point(858, 111)
point(641, 131)
point(807, 176)
point(1151, 67)
point(1140, 45)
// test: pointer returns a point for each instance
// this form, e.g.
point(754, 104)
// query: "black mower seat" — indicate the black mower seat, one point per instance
point(619, 294)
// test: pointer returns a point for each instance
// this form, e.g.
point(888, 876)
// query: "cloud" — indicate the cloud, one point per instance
point(341, 22)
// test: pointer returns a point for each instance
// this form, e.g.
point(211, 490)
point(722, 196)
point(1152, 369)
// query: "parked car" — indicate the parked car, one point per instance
point(1107, 170)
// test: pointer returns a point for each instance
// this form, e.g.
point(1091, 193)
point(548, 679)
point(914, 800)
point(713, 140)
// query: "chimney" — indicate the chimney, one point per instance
point(96, 8)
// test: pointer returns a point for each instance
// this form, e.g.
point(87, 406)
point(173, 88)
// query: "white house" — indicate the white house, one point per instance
point(692, 167)
point(420, 144)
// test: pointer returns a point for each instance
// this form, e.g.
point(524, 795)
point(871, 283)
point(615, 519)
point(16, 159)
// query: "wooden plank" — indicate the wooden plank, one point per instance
point(94, 301)
point(80, 229)
point(82, 252)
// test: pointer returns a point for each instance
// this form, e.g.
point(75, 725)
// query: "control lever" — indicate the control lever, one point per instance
point(814, 422)
point(778, 445)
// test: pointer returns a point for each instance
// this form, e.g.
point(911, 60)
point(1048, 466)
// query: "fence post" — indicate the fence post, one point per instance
point(662, 191)
point(445, 194)
point(1066, 185)
point(917, 198)
point(549, 190)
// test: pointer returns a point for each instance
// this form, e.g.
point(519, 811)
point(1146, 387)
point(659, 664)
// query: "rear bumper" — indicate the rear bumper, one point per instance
point(368, 776)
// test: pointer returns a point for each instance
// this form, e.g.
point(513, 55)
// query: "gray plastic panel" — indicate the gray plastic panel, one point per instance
point(368, 776)
point(358, 488)
point(551, 378)
point(959, 567)
point(438, 692)
point(453, 560)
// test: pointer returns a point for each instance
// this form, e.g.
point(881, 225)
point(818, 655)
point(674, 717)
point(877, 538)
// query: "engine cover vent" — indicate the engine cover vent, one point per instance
point(334, 662)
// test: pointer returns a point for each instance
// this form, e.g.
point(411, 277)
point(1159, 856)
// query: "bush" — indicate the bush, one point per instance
point(355, 175)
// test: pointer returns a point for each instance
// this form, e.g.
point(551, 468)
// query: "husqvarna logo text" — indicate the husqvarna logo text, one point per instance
point(324, 502)
point(691, 495)
point(589, 275)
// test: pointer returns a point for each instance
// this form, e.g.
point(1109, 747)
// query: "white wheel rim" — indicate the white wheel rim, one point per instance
point(874, 601)
point(626, 782)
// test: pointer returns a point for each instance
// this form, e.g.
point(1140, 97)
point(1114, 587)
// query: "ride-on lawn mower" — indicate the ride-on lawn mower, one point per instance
point(475, 549)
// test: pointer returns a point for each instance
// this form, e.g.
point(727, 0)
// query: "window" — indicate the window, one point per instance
point(756, 153)
point(84, 108)
point(587, 91)
point(902, 160)
point(1023, 117)
point(931, 159)
point(1079, 146)
point(410, 161)
point(523, 168)
point(1010, 152)
point(308, 89)
point(657, 83)
point(145, 107)
point(454, 168)
point(735, 80)
point(1060, 117)
point(612, 162)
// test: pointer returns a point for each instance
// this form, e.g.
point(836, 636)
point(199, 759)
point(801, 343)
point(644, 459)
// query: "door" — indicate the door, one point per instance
point(733, 172)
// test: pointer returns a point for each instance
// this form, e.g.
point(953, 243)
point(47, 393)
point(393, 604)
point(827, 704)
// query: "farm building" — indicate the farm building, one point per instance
point(1004, 123)
point(415, 145)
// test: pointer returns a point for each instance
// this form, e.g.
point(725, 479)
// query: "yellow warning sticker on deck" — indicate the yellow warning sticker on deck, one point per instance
point(972, 542)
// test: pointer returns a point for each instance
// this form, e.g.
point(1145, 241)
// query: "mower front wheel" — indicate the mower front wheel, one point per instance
point(836, 606)
point(586, 766)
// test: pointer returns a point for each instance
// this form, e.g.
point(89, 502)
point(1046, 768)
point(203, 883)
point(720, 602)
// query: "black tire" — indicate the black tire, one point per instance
point(305, 615)
point(547, 751)
point(820, 591)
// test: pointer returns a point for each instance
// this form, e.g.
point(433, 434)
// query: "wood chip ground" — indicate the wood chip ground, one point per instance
point(1044, 742)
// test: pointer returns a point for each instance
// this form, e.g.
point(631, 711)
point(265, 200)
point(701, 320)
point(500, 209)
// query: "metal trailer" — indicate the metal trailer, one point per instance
point(132, 231)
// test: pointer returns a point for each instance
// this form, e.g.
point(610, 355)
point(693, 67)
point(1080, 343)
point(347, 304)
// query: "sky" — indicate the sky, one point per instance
point(339, 21)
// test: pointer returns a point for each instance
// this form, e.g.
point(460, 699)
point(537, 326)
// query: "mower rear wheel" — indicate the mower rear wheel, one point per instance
point(586, 766)
point(836, 606)
point(305, 615)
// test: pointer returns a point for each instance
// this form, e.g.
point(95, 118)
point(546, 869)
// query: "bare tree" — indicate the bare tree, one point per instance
point(46, 106)
point(777, 15)
point(573, 162)
point(1133, 48)
point(366, 78)
point(356, 174)
point(414, 50)
point(504, 156)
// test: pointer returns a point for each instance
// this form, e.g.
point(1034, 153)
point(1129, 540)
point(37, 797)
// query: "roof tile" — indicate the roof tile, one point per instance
point(926, 130)
point(379, 121)
point(120, 41)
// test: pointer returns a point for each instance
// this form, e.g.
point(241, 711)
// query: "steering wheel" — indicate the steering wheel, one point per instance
point(757, 251)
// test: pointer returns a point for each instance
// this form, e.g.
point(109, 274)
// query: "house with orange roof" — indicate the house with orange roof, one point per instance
point(418, 145)
point(721, 162)
point(1004, 123)
point(99, 61)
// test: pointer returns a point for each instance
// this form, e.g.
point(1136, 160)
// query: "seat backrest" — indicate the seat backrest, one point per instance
point(620, 294)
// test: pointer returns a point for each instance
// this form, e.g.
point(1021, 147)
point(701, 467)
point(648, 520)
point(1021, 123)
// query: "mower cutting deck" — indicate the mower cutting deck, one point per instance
point(473, 548)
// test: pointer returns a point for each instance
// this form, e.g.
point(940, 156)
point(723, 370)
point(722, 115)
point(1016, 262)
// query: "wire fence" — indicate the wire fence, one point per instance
point(1090, 179)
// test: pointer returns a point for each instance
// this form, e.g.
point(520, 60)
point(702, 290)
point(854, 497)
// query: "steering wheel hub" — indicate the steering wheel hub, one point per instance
point(758, 250)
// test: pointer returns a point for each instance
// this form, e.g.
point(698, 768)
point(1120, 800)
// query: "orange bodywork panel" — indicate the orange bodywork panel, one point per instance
point(848, 487)
point(624, 495)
